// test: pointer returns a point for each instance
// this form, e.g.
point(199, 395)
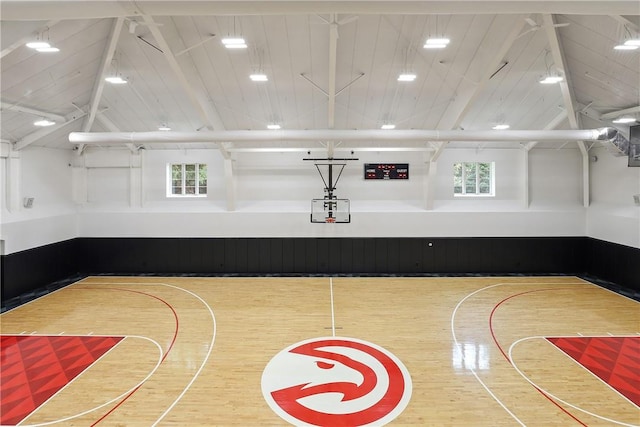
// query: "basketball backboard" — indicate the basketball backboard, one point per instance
point(330, 211)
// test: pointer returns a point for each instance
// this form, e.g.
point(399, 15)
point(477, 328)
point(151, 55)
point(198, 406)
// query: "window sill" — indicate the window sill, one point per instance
point(469, 196)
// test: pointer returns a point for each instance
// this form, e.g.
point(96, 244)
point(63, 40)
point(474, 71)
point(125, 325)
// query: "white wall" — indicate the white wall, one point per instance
point(555, 178)
point(613, 216)
point(45, 175)
point(273, 193)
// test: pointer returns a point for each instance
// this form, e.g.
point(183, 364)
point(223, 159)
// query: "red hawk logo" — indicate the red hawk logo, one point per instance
point(336, 382)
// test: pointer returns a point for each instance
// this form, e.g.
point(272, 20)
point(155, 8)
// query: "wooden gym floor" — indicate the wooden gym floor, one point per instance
point(494, 351)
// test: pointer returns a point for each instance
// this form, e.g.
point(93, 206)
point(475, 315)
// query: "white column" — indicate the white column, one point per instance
point(14, 181)
point(230, 184)
point(430, 184)
point(135, 181)
point(526, 201)
point(586, 197)
point(79, 180)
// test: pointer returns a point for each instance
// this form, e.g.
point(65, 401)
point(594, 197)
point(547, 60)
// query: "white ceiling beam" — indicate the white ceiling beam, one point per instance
point(625, 22)
point(7, 106)
point(98, 85)
point(73, 9)
point(614, 114)
point(204, 108)
point(333, 54)
point(210, 117)
point(549, 22)
point(107, 123)
point(560, 64)
point(459, 108)
point(557, 120)
point(42, 133)
point(111, 127)
point(18, 43)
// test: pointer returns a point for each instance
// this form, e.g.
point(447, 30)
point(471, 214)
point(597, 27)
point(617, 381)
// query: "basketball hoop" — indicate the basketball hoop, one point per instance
point(330, 220)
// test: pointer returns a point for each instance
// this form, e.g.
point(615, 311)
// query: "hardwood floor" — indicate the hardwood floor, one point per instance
point(210, 352)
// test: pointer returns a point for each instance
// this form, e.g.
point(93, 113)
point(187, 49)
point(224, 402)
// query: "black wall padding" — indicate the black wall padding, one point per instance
point(614, 263)
point(35, 268)
point(333, 255)
point(26, 271)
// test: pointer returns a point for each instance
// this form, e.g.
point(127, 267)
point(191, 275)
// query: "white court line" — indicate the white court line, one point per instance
point(459, 348)
point(106, 403)
point(140, 384)
point(557, 398)
point(206, 359)
point(333, 317)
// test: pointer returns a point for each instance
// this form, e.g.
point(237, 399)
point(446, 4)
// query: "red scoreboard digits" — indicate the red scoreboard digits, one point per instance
point(386, 171)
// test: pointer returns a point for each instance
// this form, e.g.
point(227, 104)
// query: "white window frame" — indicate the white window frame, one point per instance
point(169, 185)
point(492, 190)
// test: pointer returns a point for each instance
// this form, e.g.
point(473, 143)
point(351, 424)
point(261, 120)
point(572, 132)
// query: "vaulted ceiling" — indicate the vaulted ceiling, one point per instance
point(330, 65)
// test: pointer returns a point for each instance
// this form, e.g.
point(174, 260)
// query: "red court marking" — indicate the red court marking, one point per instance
point(615, 360)
point(173, 340)
point(495, 340)
point(35, 367)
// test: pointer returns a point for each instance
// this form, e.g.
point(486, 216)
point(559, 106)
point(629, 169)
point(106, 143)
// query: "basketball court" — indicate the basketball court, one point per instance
point(482, 351)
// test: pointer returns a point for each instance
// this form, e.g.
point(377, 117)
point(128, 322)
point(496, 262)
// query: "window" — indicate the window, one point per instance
point(473, 179)
point(186, 180)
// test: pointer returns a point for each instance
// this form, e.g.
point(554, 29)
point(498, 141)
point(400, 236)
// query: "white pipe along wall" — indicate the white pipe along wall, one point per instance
point(396, 136)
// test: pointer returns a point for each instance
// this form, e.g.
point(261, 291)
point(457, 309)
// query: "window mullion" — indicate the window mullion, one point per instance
point(464, 178)
point(184, 179)
point(197, 178)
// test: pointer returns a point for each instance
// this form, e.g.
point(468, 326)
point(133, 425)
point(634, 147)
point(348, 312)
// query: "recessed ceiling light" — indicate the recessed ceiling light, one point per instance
point(164, 127)
point(49, 49)
point(37, 44)
point(388, 126)
point(259, 77)
point(442, 40)
point(501, 127)
point(44, 122)
point(273, 126)
point(406, 77)
point(624, 120)
point(435, 46)
point(632, 42)
point(625, 47)
point(116, 80)
point(548, 80)
point(436, 43)
point(234, 43)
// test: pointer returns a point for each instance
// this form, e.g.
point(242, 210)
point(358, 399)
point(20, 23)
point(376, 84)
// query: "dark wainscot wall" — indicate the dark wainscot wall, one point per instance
point(26, 271)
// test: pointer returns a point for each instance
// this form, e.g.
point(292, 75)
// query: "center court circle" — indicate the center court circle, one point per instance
point(336, 381)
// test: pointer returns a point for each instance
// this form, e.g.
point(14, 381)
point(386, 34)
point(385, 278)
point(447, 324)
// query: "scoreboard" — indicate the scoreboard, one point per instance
point(386, 171)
